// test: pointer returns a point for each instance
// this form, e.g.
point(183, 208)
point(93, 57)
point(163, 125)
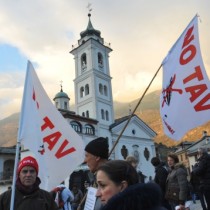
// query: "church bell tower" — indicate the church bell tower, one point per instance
point(93, 89)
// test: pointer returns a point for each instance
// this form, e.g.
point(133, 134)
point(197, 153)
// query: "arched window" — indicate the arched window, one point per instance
point(107, 116)
point(81, 92)
point(83, 114)
point(101, 91)
point(136, 152)
point(84, 61)
point(65, 105)
point(76, 126)
point(102, 114)
point(56, 104)
point(89, 129)
point(8, 169)
point(86, 89)
point(146, 153)
point(87, 114)
point(105, 90)
point(124, 151)
point(100, 60)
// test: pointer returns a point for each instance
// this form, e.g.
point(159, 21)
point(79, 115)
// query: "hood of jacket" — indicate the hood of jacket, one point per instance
point(178, 165)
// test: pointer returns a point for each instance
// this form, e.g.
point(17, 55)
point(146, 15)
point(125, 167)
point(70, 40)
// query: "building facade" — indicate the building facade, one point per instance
point(94, 111)
point(7, 160)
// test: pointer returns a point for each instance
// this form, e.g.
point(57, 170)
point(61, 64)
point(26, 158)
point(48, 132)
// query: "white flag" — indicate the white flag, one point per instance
point(185, 98)
point(43, 130)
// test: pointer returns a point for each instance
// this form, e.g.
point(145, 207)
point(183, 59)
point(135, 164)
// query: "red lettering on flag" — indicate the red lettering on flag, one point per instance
point(196, 91)
point(198, 74)
point(187, 54)
point(52, 139)
point(200, 105)
point(169, 127)
point(190, 51)
point(61, 152)
point(34, 95)
point(34, 98)
point(47, 124)
point(188, 37)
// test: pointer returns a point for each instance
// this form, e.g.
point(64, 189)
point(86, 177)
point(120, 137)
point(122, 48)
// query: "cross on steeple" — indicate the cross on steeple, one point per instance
point(89, 7)
point(61, 82)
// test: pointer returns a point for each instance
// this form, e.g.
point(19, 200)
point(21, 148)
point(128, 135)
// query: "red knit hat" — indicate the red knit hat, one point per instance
point(28, 161)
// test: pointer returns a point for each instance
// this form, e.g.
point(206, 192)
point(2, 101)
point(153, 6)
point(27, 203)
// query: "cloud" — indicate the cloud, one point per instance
point(140, 33)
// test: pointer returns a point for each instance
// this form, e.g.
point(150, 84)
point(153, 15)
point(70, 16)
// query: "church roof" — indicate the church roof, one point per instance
point(90, 30)
point(119, 121)
point(74, 116)
point(8, 150)
point(61, 94)
point(125, 118)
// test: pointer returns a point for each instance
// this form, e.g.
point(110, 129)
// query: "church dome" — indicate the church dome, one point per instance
point(90, 30)
point(61, 94)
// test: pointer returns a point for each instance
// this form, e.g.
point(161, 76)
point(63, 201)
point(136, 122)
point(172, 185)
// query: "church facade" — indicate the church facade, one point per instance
point(94, 111)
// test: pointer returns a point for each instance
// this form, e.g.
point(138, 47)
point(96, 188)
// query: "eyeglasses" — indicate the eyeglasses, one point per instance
point(31, 171)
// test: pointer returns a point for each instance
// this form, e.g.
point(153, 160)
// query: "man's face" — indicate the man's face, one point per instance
point(92, 161)
point(28, 176)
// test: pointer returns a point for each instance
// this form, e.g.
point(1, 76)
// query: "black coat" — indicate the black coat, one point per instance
point(194, 183)
point(38, 200)
point(202, 170)
point(161, 174)
point(138, 196)
point(28, 199)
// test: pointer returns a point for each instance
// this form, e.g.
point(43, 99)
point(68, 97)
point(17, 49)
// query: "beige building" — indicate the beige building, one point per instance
point(7, 159)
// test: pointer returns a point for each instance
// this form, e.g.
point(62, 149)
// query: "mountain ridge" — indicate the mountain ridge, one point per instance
point(148, 111)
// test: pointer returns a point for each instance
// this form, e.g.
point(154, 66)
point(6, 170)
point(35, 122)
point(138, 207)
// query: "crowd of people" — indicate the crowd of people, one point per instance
point(119, 186)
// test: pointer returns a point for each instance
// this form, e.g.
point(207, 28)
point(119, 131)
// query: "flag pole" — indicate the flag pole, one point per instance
point(131, 115)
point(18, 146)
point(17, 153)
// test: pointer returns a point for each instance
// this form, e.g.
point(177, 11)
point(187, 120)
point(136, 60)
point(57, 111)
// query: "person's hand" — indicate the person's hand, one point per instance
point(181, 207)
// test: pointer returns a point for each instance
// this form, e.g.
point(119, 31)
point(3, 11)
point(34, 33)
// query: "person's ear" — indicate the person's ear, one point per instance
point(124, 184)
point(97, 158)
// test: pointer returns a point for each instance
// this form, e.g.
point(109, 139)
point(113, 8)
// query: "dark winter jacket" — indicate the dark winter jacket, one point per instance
point(202, 170)
point(195, 183)
point(177, 180)
point(161, 174)
point(141, 177)
point(138, 196)
point(38, 199)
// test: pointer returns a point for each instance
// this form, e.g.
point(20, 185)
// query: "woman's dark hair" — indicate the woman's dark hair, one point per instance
point(136, 197)
point(120, 170)
point(174, 157)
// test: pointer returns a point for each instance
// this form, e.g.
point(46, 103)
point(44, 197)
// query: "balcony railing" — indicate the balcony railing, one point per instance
point(74, 46)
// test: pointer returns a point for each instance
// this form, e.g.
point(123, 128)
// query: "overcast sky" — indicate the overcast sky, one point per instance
point(141, 32)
